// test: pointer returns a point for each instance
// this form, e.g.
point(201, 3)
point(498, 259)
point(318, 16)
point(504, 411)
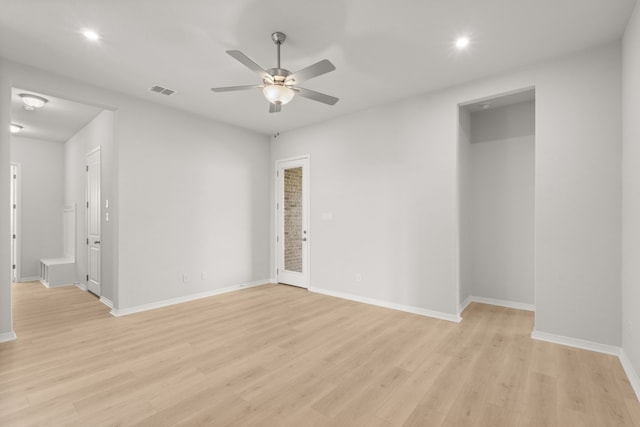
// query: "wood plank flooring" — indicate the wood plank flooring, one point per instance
point(281, 356)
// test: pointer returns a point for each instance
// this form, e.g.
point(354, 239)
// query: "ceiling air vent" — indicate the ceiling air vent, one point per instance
point(162, 90)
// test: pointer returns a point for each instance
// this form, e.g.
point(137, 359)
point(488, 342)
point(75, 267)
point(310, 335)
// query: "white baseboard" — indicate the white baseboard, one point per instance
point(386, 304)
point(107, 302)
point(117, 312)
point(501, 303)
point(465, 304)
point(48, 285)
point(81, 286)
point(576, 342)
point(29, 279)
point(632, 374)
point(8, 336)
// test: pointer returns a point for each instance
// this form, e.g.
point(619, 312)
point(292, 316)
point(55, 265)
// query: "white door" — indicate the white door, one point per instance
point(93, 221)
point(292, 206)
point(14, 223)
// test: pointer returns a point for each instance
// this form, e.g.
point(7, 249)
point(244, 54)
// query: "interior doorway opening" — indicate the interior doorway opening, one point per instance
point(49, 155)
point(496, 201)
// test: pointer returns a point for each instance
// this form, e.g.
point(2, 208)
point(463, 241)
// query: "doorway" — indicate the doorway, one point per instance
point(496, 200)
point(292, 213)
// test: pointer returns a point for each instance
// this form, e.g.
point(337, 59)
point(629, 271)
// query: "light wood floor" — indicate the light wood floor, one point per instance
point(277, 355)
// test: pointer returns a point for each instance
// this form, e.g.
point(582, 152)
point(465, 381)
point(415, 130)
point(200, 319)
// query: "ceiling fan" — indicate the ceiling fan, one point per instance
point(279, 85)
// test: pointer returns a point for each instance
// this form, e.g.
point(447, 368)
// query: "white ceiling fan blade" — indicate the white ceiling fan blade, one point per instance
point(315, 70)
point(249, 63)
point(316, 96)
point(235, 88)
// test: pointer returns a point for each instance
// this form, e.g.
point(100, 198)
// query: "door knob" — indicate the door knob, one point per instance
point(97, 242)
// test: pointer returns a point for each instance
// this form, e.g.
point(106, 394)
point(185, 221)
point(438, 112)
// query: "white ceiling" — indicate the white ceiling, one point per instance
point(383, 50)
point(57, 121)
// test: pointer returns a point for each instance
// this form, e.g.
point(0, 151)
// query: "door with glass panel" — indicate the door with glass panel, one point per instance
point(292, 206)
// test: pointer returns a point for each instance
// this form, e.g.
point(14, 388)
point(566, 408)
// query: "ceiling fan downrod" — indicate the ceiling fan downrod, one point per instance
point(278, 38)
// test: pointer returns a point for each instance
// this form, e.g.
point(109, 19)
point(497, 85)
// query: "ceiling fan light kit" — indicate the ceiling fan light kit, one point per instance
point(278, 94)
point(279, 86)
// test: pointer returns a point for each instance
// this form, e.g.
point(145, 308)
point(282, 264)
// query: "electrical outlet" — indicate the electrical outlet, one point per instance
point(203, 276)
point(185, 278)
point(358, 277)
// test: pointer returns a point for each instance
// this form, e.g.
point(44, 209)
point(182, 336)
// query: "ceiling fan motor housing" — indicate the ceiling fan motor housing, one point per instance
point(279, 75)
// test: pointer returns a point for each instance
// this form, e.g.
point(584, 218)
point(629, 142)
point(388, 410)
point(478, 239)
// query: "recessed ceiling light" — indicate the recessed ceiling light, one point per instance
point(91, 35)
point(15, 128)
point(486, 106)
point(462, 42)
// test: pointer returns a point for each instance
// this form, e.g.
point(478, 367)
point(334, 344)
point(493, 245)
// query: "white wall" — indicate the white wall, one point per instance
point(194, 197)
point(502, 203)
point(41, 202)
point(97, 133)
point(631, 192)
point(578, 198)
point(389, 176)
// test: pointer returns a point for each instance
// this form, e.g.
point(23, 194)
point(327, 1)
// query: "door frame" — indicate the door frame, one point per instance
point(86, 216)
point(306, 201)
point(16, 276)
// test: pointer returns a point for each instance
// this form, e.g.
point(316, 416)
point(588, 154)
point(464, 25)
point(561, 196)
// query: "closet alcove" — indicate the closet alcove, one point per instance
point(496, 200)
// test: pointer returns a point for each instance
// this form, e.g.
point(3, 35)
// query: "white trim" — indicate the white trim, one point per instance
point(465, 304)
point(632, 374)
point(576, 342)
point(28, 279)
point(81, 286)
point(8, 336)
point(106, 301)
point(47, 285)
point(386, 304)
point(502, 303)
point(117, 312)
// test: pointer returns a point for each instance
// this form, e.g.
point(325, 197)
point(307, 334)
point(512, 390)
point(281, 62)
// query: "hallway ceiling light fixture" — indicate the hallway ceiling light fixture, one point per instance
point(15, 128)
point(31, 102)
